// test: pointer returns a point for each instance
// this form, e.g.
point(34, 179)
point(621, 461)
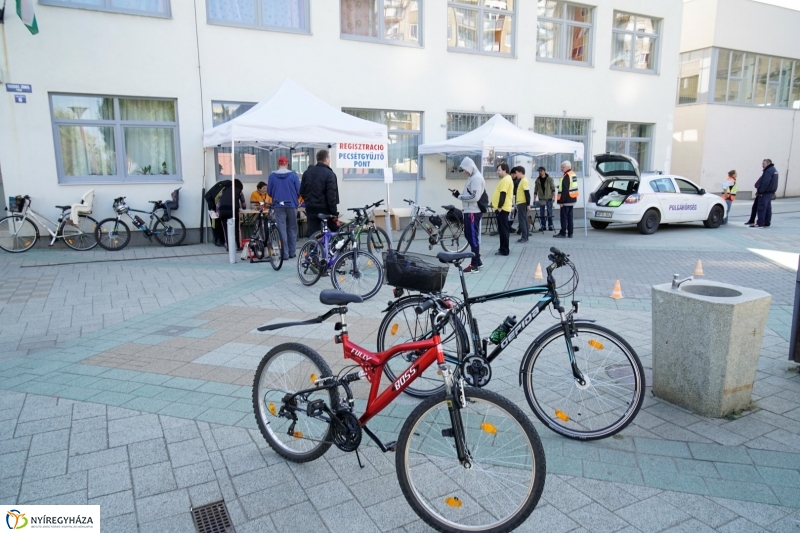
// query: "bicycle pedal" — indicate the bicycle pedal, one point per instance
point(315, 408)
point(391, 446)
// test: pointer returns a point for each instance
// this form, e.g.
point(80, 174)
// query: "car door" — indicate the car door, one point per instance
point(693, 205)
point(668, 198)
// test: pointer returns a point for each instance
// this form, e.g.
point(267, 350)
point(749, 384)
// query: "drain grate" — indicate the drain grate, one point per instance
point(212, 518)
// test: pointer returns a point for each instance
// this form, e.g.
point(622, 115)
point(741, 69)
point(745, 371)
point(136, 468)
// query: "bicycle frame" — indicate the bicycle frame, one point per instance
point(35, 216)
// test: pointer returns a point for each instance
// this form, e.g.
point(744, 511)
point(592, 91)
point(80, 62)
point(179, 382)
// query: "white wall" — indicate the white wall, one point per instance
point(699, 24)
point(688, 142)
point(91, 52)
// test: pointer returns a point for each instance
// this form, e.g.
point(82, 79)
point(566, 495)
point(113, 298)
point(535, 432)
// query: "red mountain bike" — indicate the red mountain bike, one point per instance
point(467, 459)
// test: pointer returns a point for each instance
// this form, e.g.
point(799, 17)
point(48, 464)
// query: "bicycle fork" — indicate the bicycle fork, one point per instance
point(456, 399)
point(568, 322)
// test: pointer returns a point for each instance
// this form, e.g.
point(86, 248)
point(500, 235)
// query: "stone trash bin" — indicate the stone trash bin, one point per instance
point(706, 344)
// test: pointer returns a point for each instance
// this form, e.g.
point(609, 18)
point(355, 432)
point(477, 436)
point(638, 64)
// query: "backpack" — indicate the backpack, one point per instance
point(483, 202)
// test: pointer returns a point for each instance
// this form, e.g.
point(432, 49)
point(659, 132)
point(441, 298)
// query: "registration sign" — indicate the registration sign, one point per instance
point(361, 155)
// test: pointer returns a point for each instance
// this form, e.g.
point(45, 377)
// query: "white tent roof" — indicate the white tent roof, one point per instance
point(503, 136)
point(291, 116)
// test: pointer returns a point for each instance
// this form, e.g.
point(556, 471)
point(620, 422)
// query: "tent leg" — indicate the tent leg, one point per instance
point(232, 244)
point(387, 224)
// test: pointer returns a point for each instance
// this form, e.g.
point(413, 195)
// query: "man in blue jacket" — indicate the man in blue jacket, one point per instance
point(766, 187)
point(283, 186)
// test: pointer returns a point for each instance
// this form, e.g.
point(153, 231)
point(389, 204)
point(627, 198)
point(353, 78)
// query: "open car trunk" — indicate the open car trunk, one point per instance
point(621, 178)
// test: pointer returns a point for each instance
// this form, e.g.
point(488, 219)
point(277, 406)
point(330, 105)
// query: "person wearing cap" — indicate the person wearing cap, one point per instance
point(544, 190)
point(283, 186)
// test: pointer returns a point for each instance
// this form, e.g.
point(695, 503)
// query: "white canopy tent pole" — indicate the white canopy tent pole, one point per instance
point(232, 221)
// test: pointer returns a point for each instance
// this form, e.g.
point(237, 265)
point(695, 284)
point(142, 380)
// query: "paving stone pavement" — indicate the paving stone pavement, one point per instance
point(127, 382)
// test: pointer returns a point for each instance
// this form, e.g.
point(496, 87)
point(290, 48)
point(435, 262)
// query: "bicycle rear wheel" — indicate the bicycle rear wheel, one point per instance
point(614, 388)
point(504, 481)
point(407, 237)
point(357, 273)
point(17, 234)
point(170, 232)
point(309, 263)
point(112, 234)
point(402, 324)
point(451, 237)
point(290, 368)
point(275, 248)
point(377, 241)
point(81, 237)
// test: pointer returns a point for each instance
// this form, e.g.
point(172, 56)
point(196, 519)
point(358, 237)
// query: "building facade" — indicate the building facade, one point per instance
point(738, 94)
point(121, 90)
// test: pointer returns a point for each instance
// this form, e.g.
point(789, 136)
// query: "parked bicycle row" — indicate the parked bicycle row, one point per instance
point(19, 231)
point(467, 459)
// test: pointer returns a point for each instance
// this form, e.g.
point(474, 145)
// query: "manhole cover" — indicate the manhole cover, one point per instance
point(212, 518)
point(625, 374)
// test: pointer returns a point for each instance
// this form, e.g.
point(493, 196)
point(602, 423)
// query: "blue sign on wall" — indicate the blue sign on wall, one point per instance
point(20, 99)
point(19, 88)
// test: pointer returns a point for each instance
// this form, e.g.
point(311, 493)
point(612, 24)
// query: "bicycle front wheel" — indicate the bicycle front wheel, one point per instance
point(17, 234)
point(605, 404)
point(112, 234)
point(452, 238)
point(170, 232)
point(290, 368)
point(502, 484)
point(407, 237)
point(275, 249)
point(377, 241)
point(402, 324)
point(81, 237)
point(357, 273)
point(309, 263)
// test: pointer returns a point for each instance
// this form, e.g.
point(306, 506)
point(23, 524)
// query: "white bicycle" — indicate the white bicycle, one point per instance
point(19, 232)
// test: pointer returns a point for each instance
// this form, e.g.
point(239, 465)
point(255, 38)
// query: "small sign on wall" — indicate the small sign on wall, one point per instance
point(19, 88)
point(20, 99)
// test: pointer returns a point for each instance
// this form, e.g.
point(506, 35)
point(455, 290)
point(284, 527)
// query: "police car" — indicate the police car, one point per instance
point(627, 197)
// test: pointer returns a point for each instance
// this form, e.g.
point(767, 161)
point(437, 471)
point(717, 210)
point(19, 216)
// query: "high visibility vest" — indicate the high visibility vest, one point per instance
point(573, 185)
point(729, 193)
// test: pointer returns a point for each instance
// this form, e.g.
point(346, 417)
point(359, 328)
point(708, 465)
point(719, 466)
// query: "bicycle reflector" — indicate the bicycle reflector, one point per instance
point(491, 429)
point(562, 415)
point(453, 501)
point(314, 379)
point(272, 410)
point(597, 345)
point(297, 434)
point(395, 327)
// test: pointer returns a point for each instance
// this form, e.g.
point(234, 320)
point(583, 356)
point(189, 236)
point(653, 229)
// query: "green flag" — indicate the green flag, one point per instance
point(25, 12)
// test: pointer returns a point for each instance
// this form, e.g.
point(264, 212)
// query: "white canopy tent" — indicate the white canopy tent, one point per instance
point(501, 136)
point(288, 117)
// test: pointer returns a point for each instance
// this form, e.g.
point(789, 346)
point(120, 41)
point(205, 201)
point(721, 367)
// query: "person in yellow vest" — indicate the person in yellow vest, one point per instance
point(503, 201)
point(729, 190)
point(523, 199)
point(567, 196)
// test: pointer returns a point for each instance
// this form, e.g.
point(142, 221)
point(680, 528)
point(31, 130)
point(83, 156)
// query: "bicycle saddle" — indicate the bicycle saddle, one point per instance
point(449, 207)
point(323, 216)
point(334, 297)
point(63, 207)
point(452, 257)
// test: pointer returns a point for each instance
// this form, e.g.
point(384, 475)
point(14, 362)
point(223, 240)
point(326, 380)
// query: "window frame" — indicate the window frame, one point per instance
point(656, 70)
point(381, 38)
point(565, 24)
point(377, 174)
point(511, 117)
point(242, 177)
point(108, 8)
point(258, 13)
point(118, 125)
point(742, 97)
point(587, 140)
point(650, 141)
point(481, 9)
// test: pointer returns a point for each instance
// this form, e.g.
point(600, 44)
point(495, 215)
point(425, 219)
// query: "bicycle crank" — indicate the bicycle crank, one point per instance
point(476, 371)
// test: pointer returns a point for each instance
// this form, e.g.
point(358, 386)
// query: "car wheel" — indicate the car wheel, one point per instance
point(714, 217)
point(598, 225)
point(649, 223)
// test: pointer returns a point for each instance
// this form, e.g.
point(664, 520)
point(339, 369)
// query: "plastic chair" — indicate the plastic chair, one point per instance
point(83, 208)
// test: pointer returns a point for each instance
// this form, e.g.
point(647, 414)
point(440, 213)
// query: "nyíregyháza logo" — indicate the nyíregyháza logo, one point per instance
point(16, 519)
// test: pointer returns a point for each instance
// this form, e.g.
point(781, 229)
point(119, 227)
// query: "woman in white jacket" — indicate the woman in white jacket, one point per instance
point(474, 190)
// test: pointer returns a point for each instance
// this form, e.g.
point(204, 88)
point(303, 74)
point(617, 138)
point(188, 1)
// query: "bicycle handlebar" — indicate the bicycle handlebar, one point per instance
point(427, 304)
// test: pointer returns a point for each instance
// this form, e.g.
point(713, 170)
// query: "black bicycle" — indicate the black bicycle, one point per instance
point(266, 239)
point(582, 380)
point(114, 234)
point(447, 232)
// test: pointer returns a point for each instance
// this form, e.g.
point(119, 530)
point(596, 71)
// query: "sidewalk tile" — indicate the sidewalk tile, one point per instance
point(717, 453)
point(109, 479)
point(147, 452)
point(751, 492)
point(662, 447)
point(609, 472)
point(163, 505)
point(653, 514)
point(153, 479)
point(779, 476)
point(112, 505)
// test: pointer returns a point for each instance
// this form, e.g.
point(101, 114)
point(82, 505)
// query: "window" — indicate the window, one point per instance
point(482, 26)
point(564, 32)
point(252, 164)
point(280, 15)
point(634, 140)
point(405, 136)
point(153, 8)
point(635, 42)
point(662, 185)
point(694, 78)
point(574, 129)
point(460, 123)
point(752, 79)
point(391, 21)
point(686, 187)
point(108, 139)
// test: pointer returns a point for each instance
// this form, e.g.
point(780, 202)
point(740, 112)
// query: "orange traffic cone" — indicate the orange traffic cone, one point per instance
point(698, 270)
point(538, 273)
point(617, 292)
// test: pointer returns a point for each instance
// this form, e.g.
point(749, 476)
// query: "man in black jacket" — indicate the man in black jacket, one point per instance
point(766, 187)
point(320, 192)
point(218, 198)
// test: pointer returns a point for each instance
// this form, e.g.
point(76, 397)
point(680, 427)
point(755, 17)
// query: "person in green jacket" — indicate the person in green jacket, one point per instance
point(544, 190)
